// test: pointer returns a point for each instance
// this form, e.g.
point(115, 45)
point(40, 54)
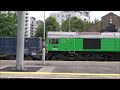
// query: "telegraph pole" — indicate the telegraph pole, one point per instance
point(69, 22)
point(119, 24)
point(20, 40)
point(43, 52)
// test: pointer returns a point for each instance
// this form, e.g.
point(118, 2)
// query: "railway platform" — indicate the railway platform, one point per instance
point(61, 70)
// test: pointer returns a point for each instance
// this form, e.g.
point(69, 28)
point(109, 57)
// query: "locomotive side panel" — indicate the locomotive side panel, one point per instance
point(108, 44)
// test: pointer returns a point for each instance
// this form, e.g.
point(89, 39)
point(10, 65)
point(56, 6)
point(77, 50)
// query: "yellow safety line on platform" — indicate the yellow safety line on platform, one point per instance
point(49, 73)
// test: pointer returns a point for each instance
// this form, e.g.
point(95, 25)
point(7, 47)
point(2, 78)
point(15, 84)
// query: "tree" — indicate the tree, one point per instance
point(85, 25)
point(50, 25)
point(8, 25)
point(39, 31)
point(95, 21)
point(76, 25)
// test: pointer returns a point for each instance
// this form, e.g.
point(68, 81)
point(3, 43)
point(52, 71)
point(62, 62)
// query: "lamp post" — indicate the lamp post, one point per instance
point(43, 52)
point(60, 27)
point(69, 22)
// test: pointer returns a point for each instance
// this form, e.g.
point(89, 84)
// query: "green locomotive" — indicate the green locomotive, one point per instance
point(83, 46)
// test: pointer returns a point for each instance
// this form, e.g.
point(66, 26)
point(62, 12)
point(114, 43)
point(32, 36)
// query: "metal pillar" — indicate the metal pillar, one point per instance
point(20, 40)
point(43, 52)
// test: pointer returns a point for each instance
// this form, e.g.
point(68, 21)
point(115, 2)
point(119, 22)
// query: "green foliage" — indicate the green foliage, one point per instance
point(76, 25)
point(95, 21)
point(50, 25)
point(39, 31)
point(8, 25)
point(85, 25)
point(25, 35)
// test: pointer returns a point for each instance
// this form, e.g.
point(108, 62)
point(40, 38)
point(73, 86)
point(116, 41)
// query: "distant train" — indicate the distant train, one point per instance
point(83, 46)
point(32, 48)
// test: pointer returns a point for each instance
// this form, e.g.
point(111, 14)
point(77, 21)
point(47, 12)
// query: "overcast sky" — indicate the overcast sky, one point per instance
point(39, 15)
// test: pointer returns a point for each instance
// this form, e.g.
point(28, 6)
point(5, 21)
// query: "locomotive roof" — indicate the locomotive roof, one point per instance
point(16, 37)
point(83, 35)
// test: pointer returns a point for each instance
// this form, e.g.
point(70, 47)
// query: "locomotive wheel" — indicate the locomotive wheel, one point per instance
point(61, 57)
point(57, 57)
point(54, 57)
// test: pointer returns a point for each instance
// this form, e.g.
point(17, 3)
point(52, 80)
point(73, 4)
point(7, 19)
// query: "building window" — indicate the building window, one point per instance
point(26, 24)
point(87, 14)
point(68, 16)
point(26, 28)
point(26, 13)
point(26, 17)
point(57, 15)
point(31, 28)
point(62, 20)
point(81, 13)
point(62, 16)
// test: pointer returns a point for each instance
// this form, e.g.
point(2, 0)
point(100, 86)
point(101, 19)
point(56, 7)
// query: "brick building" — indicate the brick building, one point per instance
point(105, 20)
